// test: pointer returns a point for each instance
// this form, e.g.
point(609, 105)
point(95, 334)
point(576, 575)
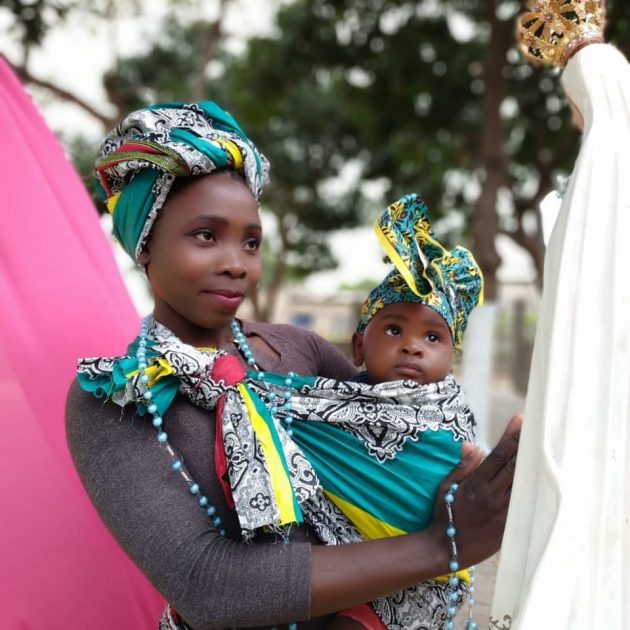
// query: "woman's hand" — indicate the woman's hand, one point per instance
point(482, 499)
point(349, 575)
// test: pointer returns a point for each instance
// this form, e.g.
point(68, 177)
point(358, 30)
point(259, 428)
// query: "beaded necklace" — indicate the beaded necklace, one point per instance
point(275, 403)
point(157, 421)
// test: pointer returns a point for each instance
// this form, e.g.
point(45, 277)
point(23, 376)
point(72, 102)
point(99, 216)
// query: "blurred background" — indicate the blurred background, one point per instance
point(355, 102)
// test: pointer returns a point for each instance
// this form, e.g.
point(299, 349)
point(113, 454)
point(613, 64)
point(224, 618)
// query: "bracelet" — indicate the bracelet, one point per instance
point(453, 567)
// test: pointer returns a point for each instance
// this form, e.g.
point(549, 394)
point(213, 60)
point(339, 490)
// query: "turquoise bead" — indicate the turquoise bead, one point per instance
point(449, 625)
point(453, 597)
point(162, 437)
point(152, 408)
point(449, 498)
point(293, 626)
point(454, 487)
point(217, 521)
point(452, 611)
point(450, 531)
point(453, 565)
point(203, 501)
point(148, 395)
point(144, 378)
point(157, 421)
point(177, 466)
point(194, 488)
point(453, 581)
point(211, 511)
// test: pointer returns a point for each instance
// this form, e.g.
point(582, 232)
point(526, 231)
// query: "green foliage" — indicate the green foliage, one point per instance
point(32, 18)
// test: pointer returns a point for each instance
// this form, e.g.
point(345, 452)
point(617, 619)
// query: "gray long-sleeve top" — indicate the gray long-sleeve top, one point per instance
point(212, 581)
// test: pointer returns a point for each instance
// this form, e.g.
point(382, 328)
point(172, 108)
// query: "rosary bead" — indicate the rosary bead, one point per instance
point(148, 395)
point(152, 408)
point(293, 626)
point(449, 498)
point(453, 581)
point(203, 501)
point(453, 565)
point(211, 511)
point(162, 437)
point(144, 378)
point(217, 521)
point(450, 531)
point(194, 488)
point(177, 465)
point(157, 421)
point(272, 396)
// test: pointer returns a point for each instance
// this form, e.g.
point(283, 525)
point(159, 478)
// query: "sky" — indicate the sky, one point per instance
point(76, 55)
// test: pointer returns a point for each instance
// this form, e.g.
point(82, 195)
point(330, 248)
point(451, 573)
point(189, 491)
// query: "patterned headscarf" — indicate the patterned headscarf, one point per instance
point(426, 273)
point(139, 160)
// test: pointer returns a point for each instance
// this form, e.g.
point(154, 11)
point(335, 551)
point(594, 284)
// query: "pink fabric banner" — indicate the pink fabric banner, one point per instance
point(61, 297)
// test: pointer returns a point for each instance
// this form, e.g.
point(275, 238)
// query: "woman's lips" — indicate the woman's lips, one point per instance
point(228, 299)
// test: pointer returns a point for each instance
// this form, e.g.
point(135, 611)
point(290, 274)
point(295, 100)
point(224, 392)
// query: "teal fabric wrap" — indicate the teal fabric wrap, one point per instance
point(400, 492)
point(133, 207)
point(139, 160)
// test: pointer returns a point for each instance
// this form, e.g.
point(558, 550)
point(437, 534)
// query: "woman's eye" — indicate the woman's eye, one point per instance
point(207, 236)
point(394, 331)
point(252, 244)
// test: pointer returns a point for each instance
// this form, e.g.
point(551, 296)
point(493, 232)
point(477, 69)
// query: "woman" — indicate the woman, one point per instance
point(198, 239)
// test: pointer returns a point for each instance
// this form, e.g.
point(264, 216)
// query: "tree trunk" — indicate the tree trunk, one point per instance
point(485, 221)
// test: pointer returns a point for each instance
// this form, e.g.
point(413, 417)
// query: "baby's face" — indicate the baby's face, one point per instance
point(405, 341)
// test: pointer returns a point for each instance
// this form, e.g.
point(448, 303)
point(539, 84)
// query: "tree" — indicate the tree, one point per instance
point(419, 96)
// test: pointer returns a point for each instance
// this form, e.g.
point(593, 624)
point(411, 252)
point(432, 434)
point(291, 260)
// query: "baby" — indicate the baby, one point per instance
point(381, 445)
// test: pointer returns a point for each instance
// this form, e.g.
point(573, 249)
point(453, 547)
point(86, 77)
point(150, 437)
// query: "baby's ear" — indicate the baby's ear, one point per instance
point(357, 349)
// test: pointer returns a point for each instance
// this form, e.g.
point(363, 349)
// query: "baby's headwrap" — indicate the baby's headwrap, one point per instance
point(139, 160)
point(449, 282)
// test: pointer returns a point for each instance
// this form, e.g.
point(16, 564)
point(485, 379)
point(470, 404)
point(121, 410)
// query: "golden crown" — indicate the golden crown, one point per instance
point(552, 31)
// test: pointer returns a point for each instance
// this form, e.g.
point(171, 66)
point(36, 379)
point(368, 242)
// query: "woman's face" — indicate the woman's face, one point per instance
point(203, 257)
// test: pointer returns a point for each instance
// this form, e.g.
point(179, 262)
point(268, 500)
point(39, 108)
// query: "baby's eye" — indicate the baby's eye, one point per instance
point(206, 236)
point(252, 244)
point(433, 338)
point(394, 331)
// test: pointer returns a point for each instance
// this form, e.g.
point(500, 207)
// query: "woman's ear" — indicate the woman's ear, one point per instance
point(144, 257)
point(357, 349)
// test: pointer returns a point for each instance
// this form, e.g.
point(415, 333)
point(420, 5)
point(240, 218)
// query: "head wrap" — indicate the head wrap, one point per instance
point(449, 282)
point(139, 160)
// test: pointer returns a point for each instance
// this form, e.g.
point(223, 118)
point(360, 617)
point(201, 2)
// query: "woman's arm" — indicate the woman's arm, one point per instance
point(352, 574)
point(147, 508)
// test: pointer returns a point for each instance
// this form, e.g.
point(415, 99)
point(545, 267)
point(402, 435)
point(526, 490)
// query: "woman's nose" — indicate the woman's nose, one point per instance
point(232, 263)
